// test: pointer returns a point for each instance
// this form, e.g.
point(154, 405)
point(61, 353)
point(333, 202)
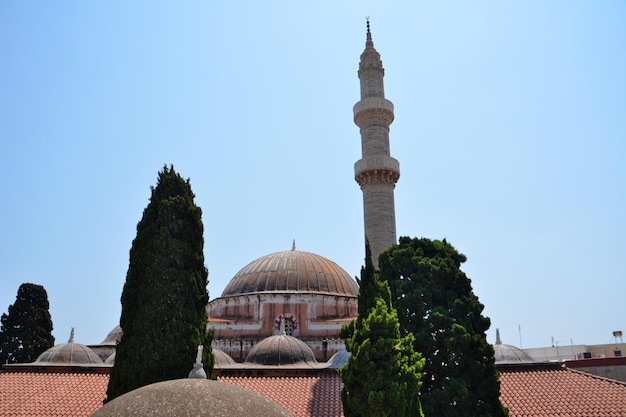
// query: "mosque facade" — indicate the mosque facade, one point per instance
point(309, 295)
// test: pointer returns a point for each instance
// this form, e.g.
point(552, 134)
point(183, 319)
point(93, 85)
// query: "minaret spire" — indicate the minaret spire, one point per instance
point(376, 172)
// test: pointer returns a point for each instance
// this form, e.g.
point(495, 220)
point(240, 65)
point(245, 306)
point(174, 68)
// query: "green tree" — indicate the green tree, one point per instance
point(382, 376)
point(164, 297)
point(436, 304)
point(26, 332)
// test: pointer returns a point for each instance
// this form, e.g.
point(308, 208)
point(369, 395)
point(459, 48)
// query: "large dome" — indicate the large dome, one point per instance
point(292, 271)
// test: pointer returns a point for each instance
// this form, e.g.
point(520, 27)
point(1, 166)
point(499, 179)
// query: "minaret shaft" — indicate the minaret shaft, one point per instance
point(376, 172)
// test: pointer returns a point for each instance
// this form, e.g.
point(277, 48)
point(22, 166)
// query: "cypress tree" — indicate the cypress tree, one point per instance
point(382, 376)
point(436, 304)
point(26, 332)
point(164, 297)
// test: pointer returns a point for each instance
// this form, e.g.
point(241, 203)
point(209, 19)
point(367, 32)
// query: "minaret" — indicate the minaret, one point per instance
point(376, 172)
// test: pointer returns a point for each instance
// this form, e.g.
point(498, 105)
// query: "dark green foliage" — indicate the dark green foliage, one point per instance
point(164, 298)
point(382, 376)
point(435, 303)
point(370, 287)
point(26, 332)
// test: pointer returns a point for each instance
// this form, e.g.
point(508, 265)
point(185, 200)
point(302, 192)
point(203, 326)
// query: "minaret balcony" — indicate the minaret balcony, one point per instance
point(379, 168)
point(372, 108)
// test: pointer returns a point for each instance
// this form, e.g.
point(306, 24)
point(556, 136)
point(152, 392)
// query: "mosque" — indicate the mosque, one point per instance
point(277, 321)
point(312, 295)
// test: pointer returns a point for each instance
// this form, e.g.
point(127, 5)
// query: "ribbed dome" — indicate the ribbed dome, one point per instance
point(110, 360)
point(281, 350)
point(339, 359)
point(69, 353)
point(222, 358)
point(113, 337)
point(292, 271)
point(508, 353)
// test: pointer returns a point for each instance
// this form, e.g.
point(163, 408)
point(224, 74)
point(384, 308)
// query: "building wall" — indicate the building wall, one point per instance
point(238, 350)
point(241, 321)
point(611, 350)
point(572, 352)
point(612, 368)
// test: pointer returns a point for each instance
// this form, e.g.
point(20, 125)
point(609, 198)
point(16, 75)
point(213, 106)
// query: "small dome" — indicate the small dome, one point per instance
point(339, 359)
point(191, 397)
point(508, 353)
point(222, 358)
point(69, 353)
point(281, 350)
point(113, 337)
point(110, 360)
point(292, 271)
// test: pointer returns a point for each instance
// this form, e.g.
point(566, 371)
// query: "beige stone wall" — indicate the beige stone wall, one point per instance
point(238, 349)
point(241, 321)
point(379, 217)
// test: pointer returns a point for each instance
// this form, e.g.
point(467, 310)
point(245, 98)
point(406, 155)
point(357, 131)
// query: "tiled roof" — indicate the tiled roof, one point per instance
point(303, 396)
point(34, 394)
point(537, 390)
point(542, 391)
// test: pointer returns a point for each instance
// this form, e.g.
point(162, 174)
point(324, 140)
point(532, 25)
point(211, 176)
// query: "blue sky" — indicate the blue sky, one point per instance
point(510, 131)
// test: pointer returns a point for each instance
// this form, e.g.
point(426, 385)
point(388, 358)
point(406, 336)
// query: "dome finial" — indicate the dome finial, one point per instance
point(498, 341)
point(281, 328)
point(293, 245)
point(198, 369)
point(71, 336)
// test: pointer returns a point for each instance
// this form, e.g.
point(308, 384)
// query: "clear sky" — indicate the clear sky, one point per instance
point(510, 131)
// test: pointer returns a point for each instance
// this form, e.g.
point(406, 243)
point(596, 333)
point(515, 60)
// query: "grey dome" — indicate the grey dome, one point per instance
point(509, 354)
point(222, 358)
point(70, 353)
point(281, 350)
point(339, 359)
point(110, 360)
point(191, 397)
point(113, 337)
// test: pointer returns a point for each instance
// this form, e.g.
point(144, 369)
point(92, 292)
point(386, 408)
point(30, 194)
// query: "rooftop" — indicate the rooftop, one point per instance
point(538, 390)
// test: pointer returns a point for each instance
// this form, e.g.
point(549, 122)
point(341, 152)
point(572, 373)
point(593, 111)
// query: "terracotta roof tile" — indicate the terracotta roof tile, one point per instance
point(32, 394)
point(302, 396)
point(558, 391)
point(529, 390)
